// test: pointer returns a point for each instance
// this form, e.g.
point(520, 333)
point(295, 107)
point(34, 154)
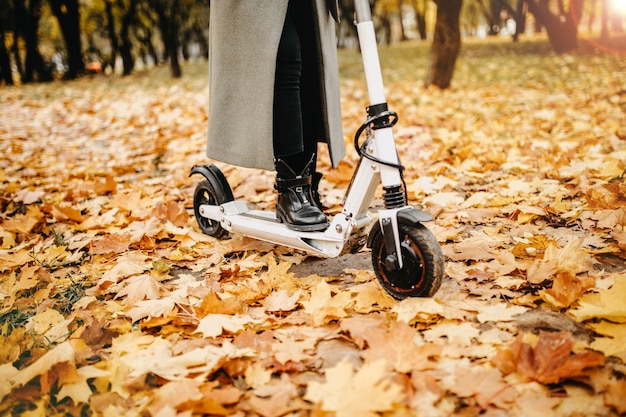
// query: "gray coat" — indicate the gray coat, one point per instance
point(243, 43)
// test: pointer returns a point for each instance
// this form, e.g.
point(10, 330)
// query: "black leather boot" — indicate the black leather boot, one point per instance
point(315, 184)
point(295, 205)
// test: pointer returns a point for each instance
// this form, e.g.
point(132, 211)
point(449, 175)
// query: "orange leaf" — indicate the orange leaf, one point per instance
point(63, 213)
point(108, 186)
point(550, 361)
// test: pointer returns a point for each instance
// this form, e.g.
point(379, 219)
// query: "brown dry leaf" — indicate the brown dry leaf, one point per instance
point(359, 327)
point(140, 287)
point(550, 360)
point(25, 223)
point(64, 213)
point(572, 258)
point(171, 212)
point(108, 186)
point(110, 244)
point(173, 394)
point(566, 289)
point(486, 385)
point(212, 303)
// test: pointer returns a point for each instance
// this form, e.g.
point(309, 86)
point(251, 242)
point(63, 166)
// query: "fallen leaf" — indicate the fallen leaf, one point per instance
point(605, 304)
point(550, 361)
point(345, 390)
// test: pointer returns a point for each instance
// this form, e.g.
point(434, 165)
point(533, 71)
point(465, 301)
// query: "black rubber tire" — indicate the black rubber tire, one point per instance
point(205, 193)
point(423, 266)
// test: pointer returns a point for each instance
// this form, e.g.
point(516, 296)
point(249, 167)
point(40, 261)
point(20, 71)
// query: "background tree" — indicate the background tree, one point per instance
point(68, 15)
point(167, 13)
point(112, 34)
point(446, 43)
point(6, 74)
point(560, 22)
point(144, 33)
point(126, 45)
point(27, 22)
point(419, 8)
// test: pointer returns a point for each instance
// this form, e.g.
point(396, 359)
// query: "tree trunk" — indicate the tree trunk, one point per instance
point(126, 46)
point(562, 28)
point(520, 20)
point(167, 12)
point(446, 43)
point(420, 16)
point(6, 74)
point(491, 18)
point(176, 70)
point(68, 15)
point(403, 36)
point(115, 43)
point(34, 67)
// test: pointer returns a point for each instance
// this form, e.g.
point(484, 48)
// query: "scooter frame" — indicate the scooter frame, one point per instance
point(379, 164)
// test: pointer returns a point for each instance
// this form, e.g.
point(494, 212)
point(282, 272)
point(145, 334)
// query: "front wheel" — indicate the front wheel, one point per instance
point(422, 262)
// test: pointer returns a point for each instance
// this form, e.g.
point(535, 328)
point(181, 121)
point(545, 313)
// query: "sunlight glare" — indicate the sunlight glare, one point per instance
point(619, 6)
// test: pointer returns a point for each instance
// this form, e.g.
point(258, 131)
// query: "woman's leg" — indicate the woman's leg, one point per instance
point(294, 165)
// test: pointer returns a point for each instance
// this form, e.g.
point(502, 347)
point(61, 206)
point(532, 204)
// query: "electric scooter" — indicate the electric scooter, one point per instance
point(406, 258)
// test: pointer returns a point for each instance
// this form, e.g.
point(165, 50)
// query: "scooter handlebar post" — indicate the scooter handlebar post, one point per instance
point(362, 11)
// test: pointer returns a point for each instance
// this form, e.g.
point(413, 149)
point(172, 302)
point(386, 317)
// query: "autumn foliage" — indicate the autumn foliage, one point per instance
point(113, 303)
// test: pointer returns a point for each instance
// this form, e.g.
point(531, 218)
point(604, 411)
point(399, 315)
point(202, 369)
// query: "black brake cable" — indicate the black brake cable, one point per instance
point(360, 149)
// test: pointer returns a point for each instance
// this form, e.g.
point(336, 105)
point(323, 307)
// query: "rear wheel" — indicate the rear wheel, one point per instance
point(422, 262)
point(206, 193)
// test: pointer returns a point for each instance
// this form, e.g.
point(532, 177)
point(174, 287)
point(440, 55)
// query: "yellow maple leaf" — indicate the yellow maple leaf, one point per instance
point(257, 375)
point(79, 390)
point(51, 324)
point(362, 393)
point(371, 297)
point(63, 352)
point(323, 306)
point(281, 301)
point(606, 304)
point(614, 342)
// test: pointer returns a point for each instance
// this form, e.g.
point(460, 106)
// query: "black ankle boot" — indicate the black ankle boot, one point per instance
point(315, 194)
point(295, 205)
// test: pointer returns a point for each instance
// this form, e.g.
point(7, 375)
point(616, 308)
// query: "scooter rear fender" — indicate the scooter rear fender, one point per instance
point(215, 177)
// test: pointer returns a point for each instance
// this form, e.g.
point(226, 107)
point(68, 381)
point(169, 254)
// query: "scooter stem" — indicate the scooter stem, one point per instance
point(385, 145)
point(369, 51)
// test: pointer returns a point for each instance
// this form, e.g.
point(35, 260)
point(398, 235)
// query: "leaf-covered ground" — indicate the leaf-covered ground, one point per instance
point(113, 303)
